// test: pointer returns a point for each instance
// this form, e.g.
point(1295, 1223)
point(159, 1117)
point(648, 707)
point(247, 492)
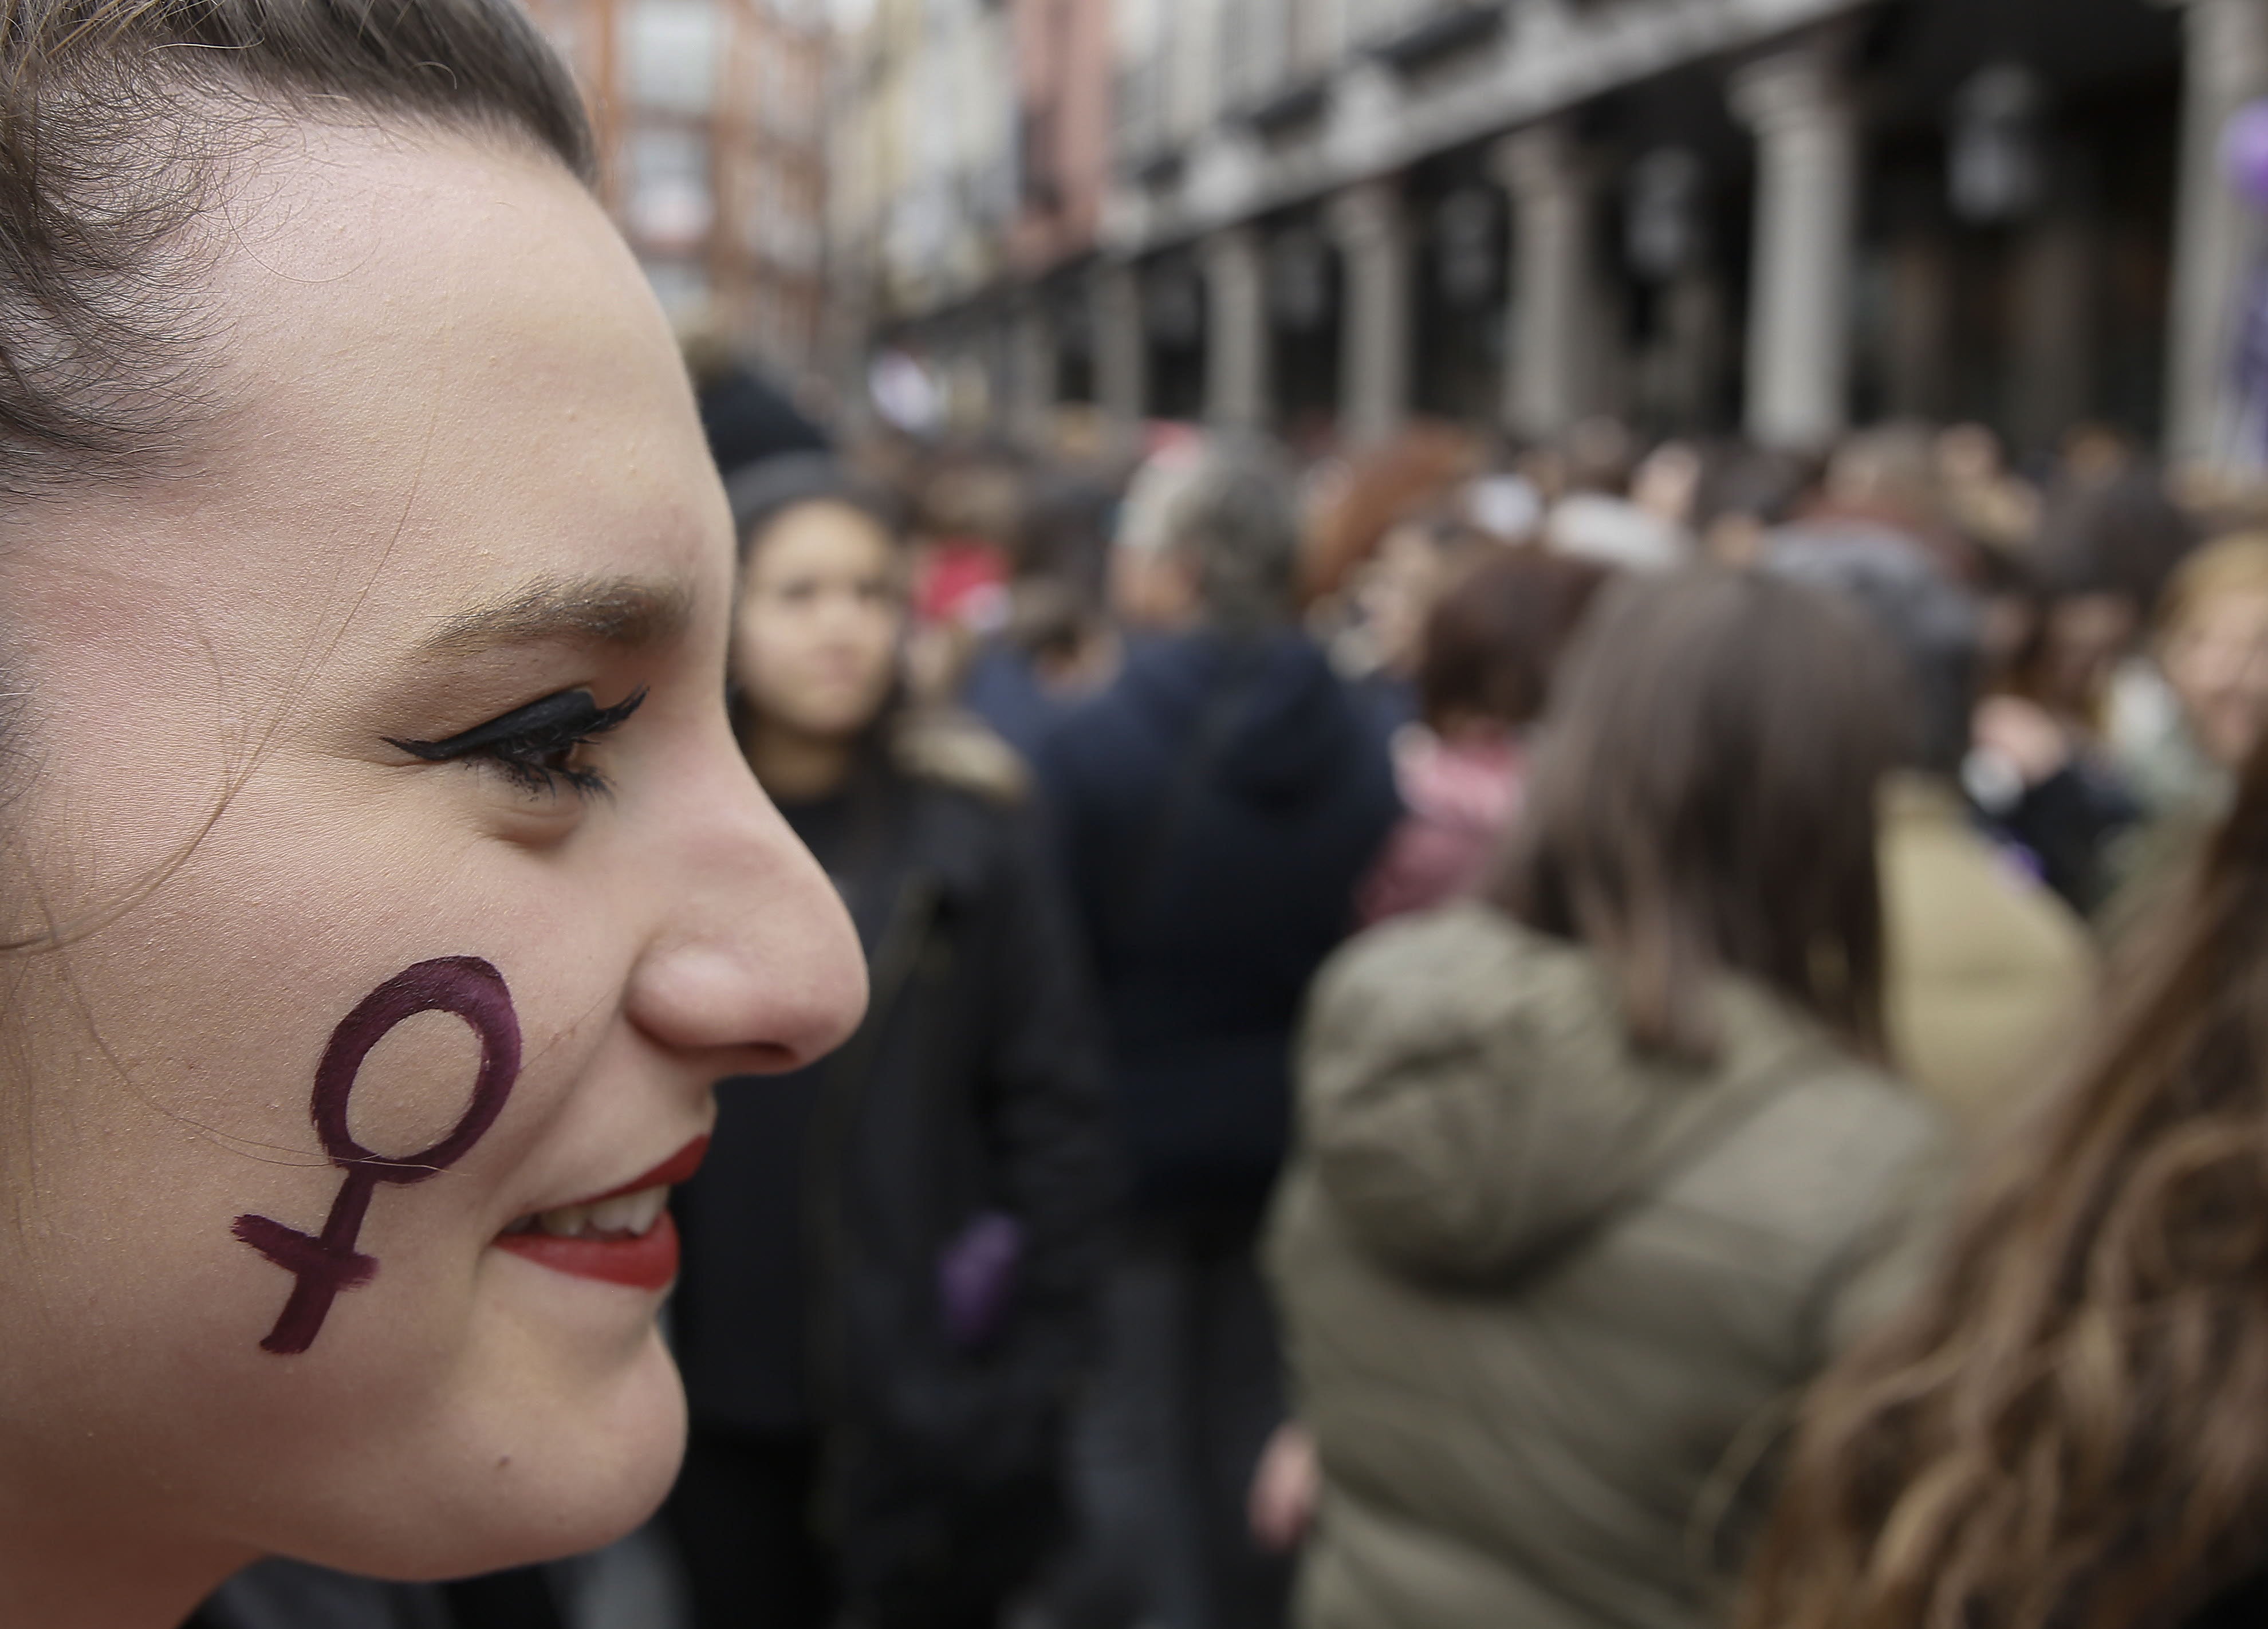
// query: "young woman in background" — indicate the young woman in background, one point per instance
point(1592, 1178)
point(1484, 665)
point(890, 1256)
point(2210, 647)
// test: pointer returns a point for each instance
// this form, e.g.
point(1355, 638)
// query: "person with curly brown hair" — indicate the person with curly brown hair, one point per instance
point(2070, 1428)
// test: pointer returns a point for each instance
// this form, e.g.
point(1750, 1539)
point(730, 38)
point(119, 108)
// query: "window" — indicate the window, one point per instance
point(671, 204)
point(670, 50)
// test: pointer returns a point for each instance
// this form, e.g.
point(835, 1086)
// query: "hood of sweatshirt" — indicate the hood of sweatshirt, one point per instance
point(1280, 723)
point(1470, 1098)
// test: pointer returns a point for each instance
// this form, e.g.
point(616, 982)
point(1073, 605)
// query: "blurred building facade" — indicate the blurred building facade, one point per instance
point(1774, 216)
point(970, 156)
point(711, 119)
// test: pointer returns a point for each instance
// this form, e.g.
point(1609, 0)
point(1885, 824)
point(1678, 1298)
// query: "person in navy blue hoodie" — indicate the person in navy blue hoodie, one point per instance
point(1215, 808)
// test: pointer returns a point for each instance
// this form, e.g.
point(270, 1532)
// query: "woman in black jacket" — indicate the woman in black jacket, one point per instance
point(889, 1255)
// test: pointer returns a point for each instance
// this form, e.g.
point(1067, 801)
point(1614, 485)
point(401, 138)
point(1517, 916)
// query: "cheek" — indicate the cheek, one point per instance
point(2183, 678)
point(777, 662)
point(438, 1420)
point(167, 1091)
point(884, 633)
point(197, 1178)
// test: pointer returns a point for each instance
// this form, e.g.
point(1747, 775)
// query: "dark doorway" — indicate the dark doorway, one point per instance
point(2018, 216)
point(1303, 295)
point(1458, 288)
point(1174, 320)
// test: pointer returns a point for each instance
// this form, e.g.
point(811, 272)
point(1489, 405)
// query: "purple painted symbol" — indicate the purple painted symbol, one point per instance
point(327, 1263)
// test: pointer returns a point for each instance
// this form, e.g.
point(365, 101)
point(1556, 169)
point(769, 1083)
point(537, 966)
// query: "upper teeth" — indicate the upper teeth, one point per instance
point(629, 1214)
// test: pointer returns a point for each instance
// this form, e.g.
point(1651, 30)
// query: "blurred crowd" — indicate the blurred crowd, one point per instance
point(1593, 1034)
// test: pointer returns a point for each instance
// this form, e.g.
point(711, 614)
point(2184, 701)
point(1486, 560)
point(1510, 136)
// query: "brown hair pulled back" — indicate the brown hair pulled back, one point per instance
point(1493, 640)
point(118, 121)
point(1703, 801)
point(2070, 1430)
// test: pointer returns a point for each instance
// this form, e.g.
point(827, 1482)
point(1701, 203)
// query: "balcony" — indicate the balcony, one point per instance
point(1437, 32)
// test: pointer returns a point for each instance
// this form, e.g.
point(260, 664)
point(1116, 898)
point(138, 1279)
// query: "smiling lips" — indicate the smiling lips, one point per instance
point(622, 1236)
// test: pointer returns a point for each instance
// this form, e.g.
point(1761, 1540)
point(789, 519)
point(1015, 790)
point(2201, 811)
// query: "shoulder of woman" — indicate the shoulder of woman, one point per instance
point(1857, 1169)
point(1829, 1131)
point(1903, 1172)
point(1868, 1115)
point(955, 749)
point(1870, 1133)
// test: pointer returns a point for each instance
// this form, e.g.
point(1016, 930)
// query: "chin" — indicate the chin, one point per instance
point(531, 1472)
point(846, 718)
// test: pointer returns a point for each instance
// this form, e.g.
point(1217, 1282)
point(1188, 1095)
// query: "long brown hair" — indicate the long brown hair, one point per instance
point(1703, 801)
point(2070, 1430)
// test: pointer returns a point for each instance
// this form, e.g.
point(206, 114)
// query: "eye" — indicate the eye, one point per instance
point(535, 745)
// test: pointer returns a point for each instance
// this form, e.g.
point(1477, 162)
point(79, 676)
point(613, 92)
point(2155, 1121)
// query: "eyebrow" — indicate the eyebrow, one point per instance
point(625, 611)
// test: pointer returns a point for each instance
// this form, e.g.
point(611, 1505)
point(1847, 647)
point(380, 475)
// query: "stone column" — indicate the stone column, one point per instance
point(1544, 384)
point(1375, 337)
point(1800, 292)
point(1236, 330)
point(2214, 237)
point(1031, 370)
point(1121, 386)
point(1121, 357)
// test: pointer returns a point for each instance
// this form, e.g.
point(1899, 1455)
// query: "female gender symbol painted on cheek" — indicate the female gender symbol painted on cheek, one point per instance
point(327, 1263)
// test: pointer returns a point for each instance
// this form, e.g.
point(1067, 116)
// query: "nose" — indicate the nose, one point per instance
point(753, 961)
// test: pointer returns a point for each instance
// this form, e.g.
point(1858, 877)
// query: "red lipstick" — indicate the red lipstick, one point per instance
point(677, 1169)
point(645, 1261)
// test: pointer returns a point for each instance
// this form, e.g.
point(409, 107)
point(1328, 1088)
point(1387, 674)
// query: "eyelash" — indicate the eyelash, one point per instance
point(531, 745)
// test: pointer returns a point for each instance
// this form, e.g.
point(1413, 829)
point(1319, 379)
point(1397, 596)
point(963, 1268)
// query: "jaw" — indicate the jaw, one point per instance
point(538, 1454)
point(64, 1570)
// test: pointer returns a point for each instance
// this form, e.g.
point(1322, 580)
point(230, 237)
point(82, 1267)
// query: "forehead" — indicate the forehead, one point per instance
point(817, 530)
point(440, 375)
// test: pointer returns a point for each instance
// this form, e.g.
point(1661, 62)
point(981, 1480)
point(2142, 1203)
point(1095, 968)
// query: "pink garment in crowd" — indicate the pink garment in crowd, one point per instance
point(1460, 796)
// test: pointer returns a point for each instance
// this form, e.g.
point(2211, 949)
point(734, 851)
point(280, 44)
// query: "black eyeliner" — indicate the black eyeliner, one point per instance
point(548, 726)
point(532, 746)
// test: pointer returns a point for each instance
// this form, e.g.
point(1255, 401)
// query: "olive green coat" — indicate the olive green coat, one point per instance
point(1990, 975)
point(1546, 1300)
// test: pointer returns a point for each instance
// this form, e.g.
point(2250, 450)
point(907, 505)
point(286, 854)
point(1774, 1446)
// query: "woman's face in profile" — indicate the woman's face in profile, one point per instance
point(405, 892)
point(2216, 659)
